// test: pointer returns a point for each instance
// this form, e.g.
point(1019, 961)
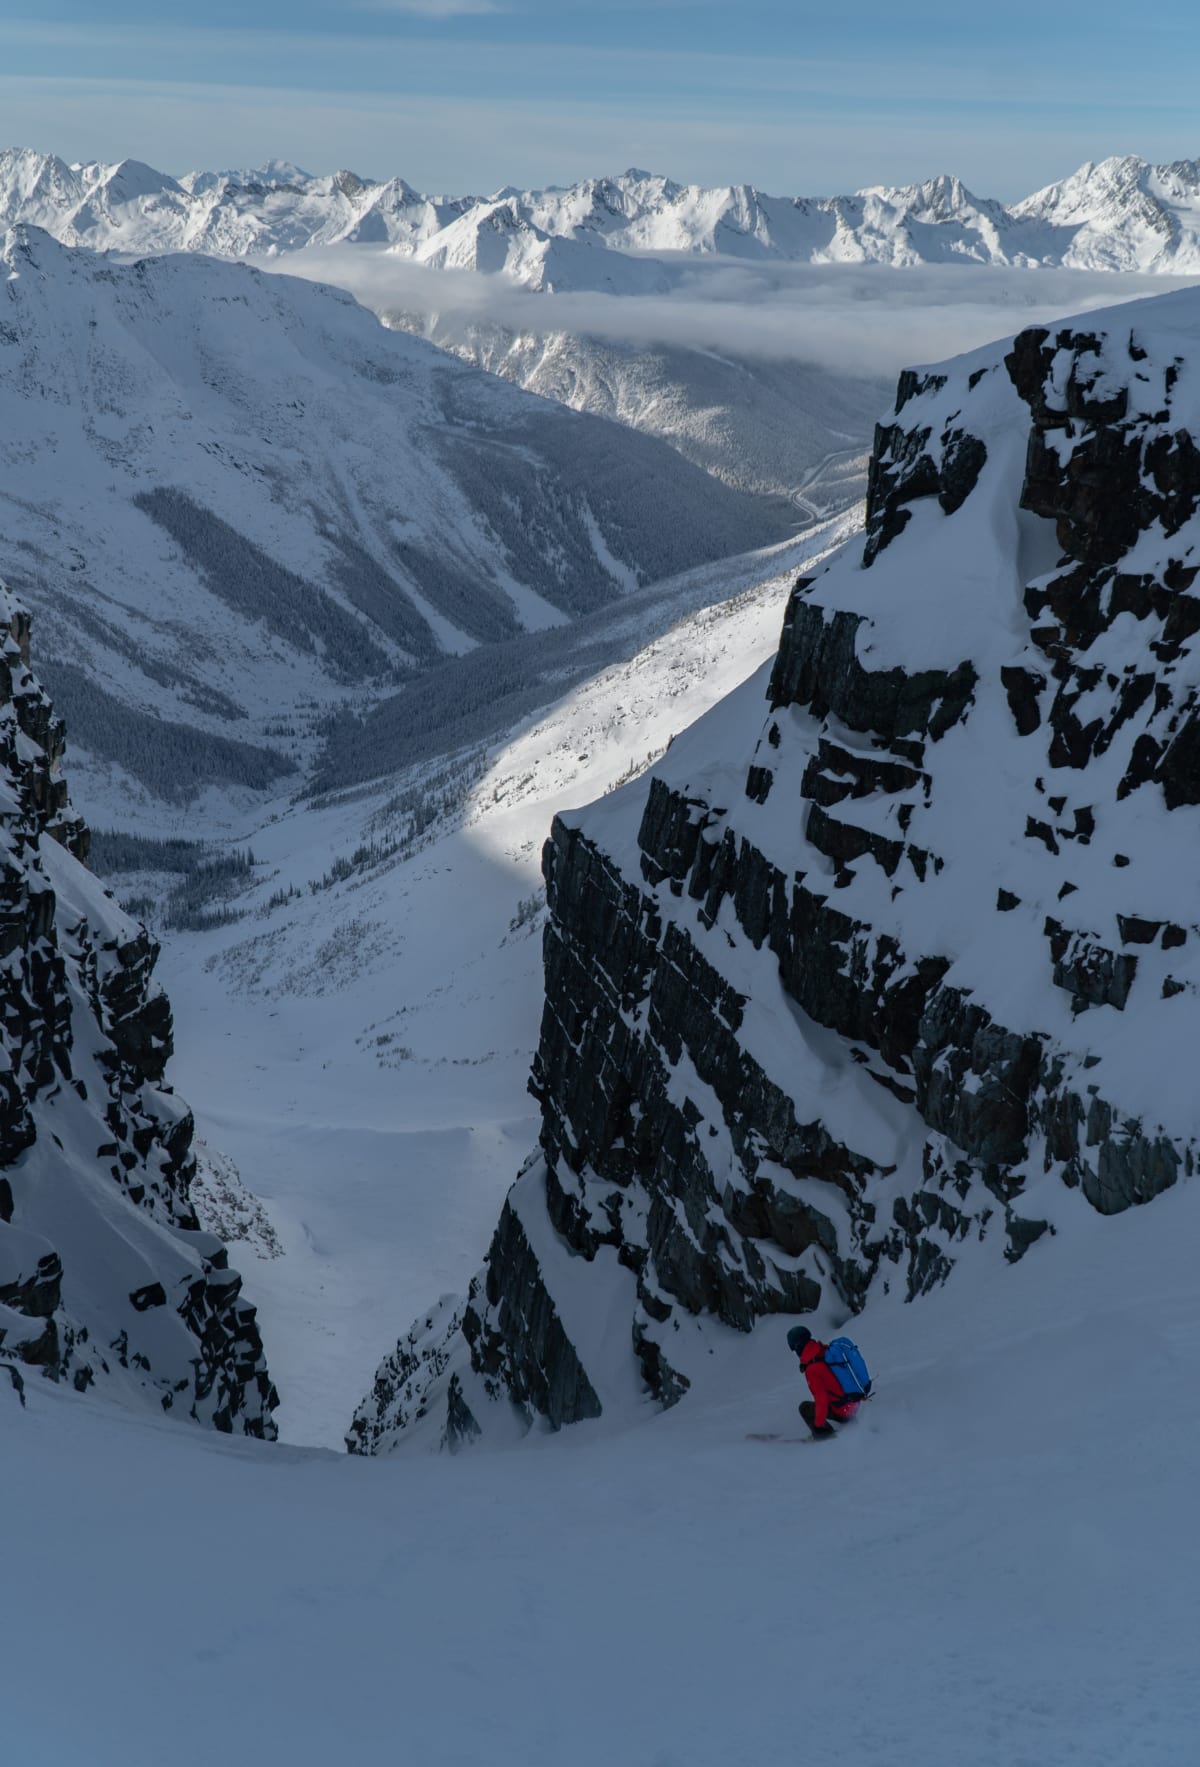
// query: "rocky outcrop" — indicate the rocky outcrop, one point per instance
point(911, 958)
point(105, 1275)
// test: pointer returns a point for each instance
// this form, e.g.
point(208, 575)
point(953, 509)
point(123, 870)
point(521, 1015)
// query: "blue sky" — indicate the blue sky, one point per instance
point(466, 95)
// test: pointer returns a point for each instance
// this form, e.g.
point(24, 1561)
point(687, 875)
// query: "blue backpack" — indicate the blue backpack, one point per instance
point(850, 1371)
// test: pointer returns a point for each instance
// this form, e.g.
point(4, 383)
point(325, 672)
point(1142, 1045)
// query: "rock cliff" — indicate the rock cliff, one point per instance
point(906, 959)
point(105, 1275)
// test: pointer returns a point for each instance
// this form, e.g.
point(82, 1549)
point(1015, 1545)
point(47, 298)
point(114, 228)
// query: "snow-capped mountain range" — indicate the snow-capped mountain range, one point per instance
point(617, 234)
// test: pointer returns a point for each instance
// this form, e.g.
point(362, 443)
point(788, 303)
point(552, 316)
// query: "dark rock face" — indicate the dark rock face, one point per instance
point(904, 467)
point(85, 1035)
point(400, 1398)
point(521, 1338)
point(818, 667)
point(821, 1010)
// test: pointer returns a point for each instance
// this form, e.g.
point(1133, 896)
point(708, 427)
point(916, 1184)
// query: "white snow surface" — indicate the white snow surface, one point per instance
point(761, 422)
point(995, 1565)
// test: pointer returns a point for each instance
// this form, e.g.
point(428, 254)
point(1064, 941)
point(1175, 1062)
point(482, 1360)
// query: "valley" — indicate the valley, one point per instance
point(361, 1050)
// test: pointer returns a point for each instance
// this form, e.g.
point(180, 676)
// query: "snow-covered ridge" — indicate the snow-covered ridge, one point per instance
point(1121, 213)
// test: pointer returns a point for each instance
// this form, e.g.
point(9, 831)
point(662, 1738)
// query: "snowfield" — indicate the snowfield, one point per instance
point(994, 1567)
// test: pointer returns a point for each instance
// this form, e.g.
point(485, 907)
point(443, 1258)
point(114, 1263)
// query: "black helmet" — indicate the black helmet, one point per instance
point(797, 1337)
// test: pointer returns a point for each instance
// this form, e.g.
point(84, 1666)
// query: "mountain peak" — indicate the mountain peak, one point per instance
point(277, 171)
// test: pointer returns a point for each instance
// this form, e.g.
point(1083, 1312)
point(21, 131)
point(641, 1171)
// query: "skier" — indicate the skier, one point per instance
point(829, 1399)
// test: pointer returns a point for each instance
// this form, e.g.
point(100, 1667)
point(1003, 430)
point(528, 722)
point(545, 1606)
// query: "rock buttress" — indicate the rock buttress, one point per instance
point(105, 1275)
point(916, 957)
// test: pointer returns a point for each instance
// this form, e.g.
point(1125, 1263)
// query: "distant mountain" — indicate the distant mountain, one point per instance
point(759, 424)
point(770, 426)
point(1116, 214)
point(237, 502)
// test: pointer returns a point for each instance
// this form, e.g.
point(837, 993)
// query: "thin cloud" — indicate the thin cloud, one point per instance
point(841, 88)
point(430, 8)
point(863, 321)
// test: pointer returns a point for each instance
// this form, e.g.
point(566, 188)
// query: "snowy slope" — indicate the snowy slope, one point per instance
point(235, 501)
point(1118, 214)
point(968, 1578)
point(500, 239)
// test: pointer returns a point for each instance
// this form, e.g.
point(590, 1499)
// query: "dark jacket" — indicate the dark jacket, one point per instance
point(823, 1384)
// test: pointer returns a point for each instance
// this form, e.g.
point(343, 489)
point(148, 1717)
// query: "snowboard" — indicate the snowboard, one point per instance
point(778, 1436)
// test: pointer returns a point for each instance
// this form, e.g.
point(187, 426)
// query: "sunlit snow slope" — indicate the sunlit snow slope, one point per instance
point(761, 423)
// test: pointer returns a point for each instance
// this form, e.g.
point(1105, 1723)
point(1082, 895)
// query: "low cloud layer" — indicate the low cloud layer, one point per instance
point(859, 320)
